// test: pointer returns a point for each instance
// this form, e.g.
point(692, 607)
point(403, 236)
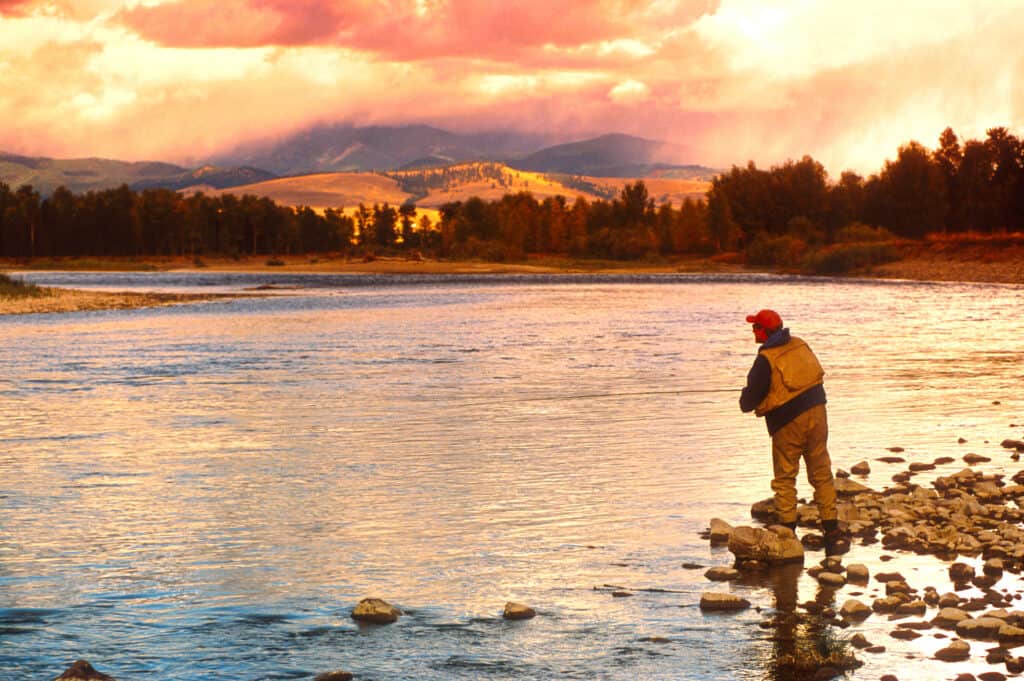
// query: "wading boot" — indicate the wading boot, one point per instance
point(836, 541)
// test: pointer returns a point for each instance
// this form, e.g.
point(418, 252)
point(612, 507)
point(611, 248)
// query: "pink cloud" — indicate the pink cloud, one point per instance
point(401, 29)
point(14, 7)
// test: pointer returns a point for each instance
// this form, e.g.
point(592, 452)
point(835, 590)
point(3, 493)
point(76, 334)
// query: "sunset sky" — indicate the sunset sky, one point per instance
point(732, 80)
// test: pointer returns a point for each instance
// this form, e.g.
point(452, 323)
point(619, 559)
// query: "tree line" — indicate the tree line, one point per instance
point(775, 215)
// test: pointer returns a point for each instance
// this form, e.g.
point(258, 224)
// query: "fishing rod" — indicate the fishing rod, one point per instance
point(593, 396)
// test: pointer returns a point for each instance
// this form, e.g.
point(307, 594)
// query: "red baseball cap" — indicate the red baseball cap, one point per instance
point(768, 319)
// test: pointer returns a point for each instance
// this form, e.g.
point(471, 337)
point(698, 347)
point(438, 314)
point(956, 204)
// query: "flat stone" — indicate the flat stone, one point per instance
point(375, 611)
point(857, 573)
point(956, 651)
point(991, 676)
point(722, 574)
point(1010, 634)
point(831, 579)
point(876, 649)
point(717, 601)
point(948, 618)
point(983, 628)
point(518, 611)
point(975, 458)
point(891, 459)
point(905, 634)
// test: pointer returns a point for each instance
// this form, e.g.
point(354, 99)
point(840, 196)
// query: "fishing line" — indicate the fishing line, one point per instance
point(594, 396)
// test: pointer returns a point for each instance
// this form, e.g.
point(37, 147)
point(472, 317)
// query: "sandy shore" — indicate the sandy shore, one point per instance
point(68, 300)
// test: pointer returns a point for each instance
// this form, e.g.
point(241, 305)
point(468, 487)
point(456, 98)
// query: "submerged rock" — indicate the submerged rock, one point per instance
point(375, 611)
point(81, 670)
point(518, 611)
point(334, 676)
point(722, 574)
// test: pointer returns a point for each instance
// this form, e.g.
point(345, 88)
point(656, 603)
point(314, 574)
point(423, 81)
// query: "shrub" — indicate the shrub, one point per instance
point(843, 258)
point(858, 232)
point(775, 251)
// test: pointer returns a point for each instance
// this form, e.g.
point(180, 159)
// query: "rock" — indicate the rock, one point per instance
point(886, 577)
point(991, 676)
point(983, 628)
point(1014, 665)
point(877, 649)
point(960, 572)
point(715, 601)
point(840, 473)
point(956, 651)
point(948, 618)
point(888, 677)
point(861, 468)
point(692, 566)
point(948, 600)
point(848, 488)
point(719, 531)
point(919, 466)
point(975, 458)
point(966, 676)
point(943, 460)
point(917, 607)
point(83, 671)
point(1012, 444)
point(518, 611)
point(1010, 634)
point(854, 610)
point(896, 450)
point(859, 641)
point(764, 510)
point(622, 594)
point(722, 574)
point(905, 634)
point(993, 567)
point(656, 639)
point(831, 580)
point(891, 459)
point(375, 611)
point(774, 546)
point(334, 676)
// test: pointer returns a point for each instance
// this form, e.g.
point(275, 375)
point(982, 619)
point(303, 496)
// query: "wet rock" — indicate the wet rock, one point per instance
point(948, 618)
point(956, 651)
point(719, 531)
point(854, 610)
point(888, 677)
point(876, 649)
point(692, 566)
point(334, 676)
point(993, 567)
point(859, 641)
point(622, 594)
point(764, 510)
point(891, 459)
point(862, 468)
point(896, 449)
point(1010, 634)
point(917, 608)
point(722, 574)
point(991, 676)
point(948, 600)
point(848, 488)
point(919, 466)
point(722, 602)
point(886, 577)
point(1015, 665)
point(375, 611)
point(982, 629)
point(943, 460)
point(966, 676)
point(518, 611)
point(975, 458)
point(960, 572)
point(1012, 444)
point(81, 670)
point(886, 605)
point(774, 546)
point(840, 473)
point(656, 639)
point(905, 634)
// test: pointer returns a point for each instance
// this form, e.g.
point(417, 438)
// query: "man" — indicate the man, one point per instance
point(785, 387)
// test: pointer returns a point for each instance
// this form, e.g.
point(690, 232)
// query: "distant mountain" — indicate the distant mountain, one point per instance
point(79, 175)
point(346, 148)
point(210, 176)
point(615, 155)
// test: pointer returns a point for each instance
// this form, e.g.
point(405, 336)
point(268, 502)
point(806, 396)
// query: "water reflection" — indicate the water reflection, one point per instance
point(205, 491)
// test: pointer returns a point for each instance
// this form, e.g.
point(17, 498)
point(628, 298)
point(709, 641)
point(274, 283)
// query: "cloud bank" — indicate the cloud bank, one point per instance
point(732, 81)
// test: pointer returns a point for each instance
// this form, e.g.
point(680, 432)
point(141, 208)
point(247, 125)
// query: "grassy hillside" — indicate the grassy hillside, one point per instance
point(78, 175)
point(432, 187)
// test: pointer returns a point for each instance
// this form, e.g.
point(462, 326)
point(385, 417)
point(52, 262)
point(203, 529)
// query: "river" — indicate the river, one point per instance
point(204, 491)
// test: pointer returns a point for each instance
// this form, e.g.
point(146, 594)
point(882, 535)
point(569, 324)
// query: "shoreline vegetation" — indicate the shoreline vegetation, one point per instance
point(958, 258)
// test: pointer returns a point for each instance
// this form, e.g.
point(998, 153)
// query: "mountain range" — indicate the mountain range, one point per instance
point(351, 149)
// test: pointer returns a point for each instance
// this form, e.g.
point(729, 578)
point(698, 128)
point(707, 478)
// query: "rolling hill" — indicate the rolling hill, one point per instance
point(79, 175)
point(430, 188)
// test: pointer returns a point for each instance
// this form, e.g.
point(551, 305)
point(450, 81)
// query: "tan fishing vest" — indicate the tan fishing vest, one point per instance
point(795, 370)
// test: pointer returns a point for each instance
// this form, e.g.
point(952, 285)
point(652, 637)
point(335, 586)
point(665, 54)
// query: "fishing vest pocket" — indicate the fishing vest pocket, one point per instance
point(800, 374)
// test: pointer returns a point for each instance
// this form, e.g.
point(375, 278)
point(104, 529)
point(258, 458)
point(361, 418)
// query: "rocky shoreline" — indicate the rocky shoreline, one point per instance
point(963, 518)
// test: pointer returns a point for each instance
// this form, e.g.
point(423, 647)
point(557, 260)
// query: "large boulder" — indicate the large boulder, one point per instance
point(518, 611)
point(719, 531)
point(775, 545)
point(375, 611)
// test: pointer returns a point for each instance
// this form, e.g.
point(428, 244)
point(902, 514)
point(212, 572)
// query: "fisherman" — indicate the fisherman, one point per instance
point(785, 386)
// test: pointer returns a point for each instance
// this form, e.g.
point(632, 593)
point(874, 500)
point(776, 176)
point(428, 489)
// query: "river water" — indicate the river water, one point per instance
point(204, 491)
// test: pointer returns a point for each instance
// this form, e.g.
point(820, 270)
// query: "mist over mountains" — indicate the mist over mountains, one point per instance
point(347, 148)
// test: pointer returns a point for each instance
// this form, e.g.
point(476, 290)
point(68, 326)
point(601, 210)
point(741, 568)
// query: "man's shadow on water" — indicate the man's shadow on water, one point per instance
point(803, 639)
